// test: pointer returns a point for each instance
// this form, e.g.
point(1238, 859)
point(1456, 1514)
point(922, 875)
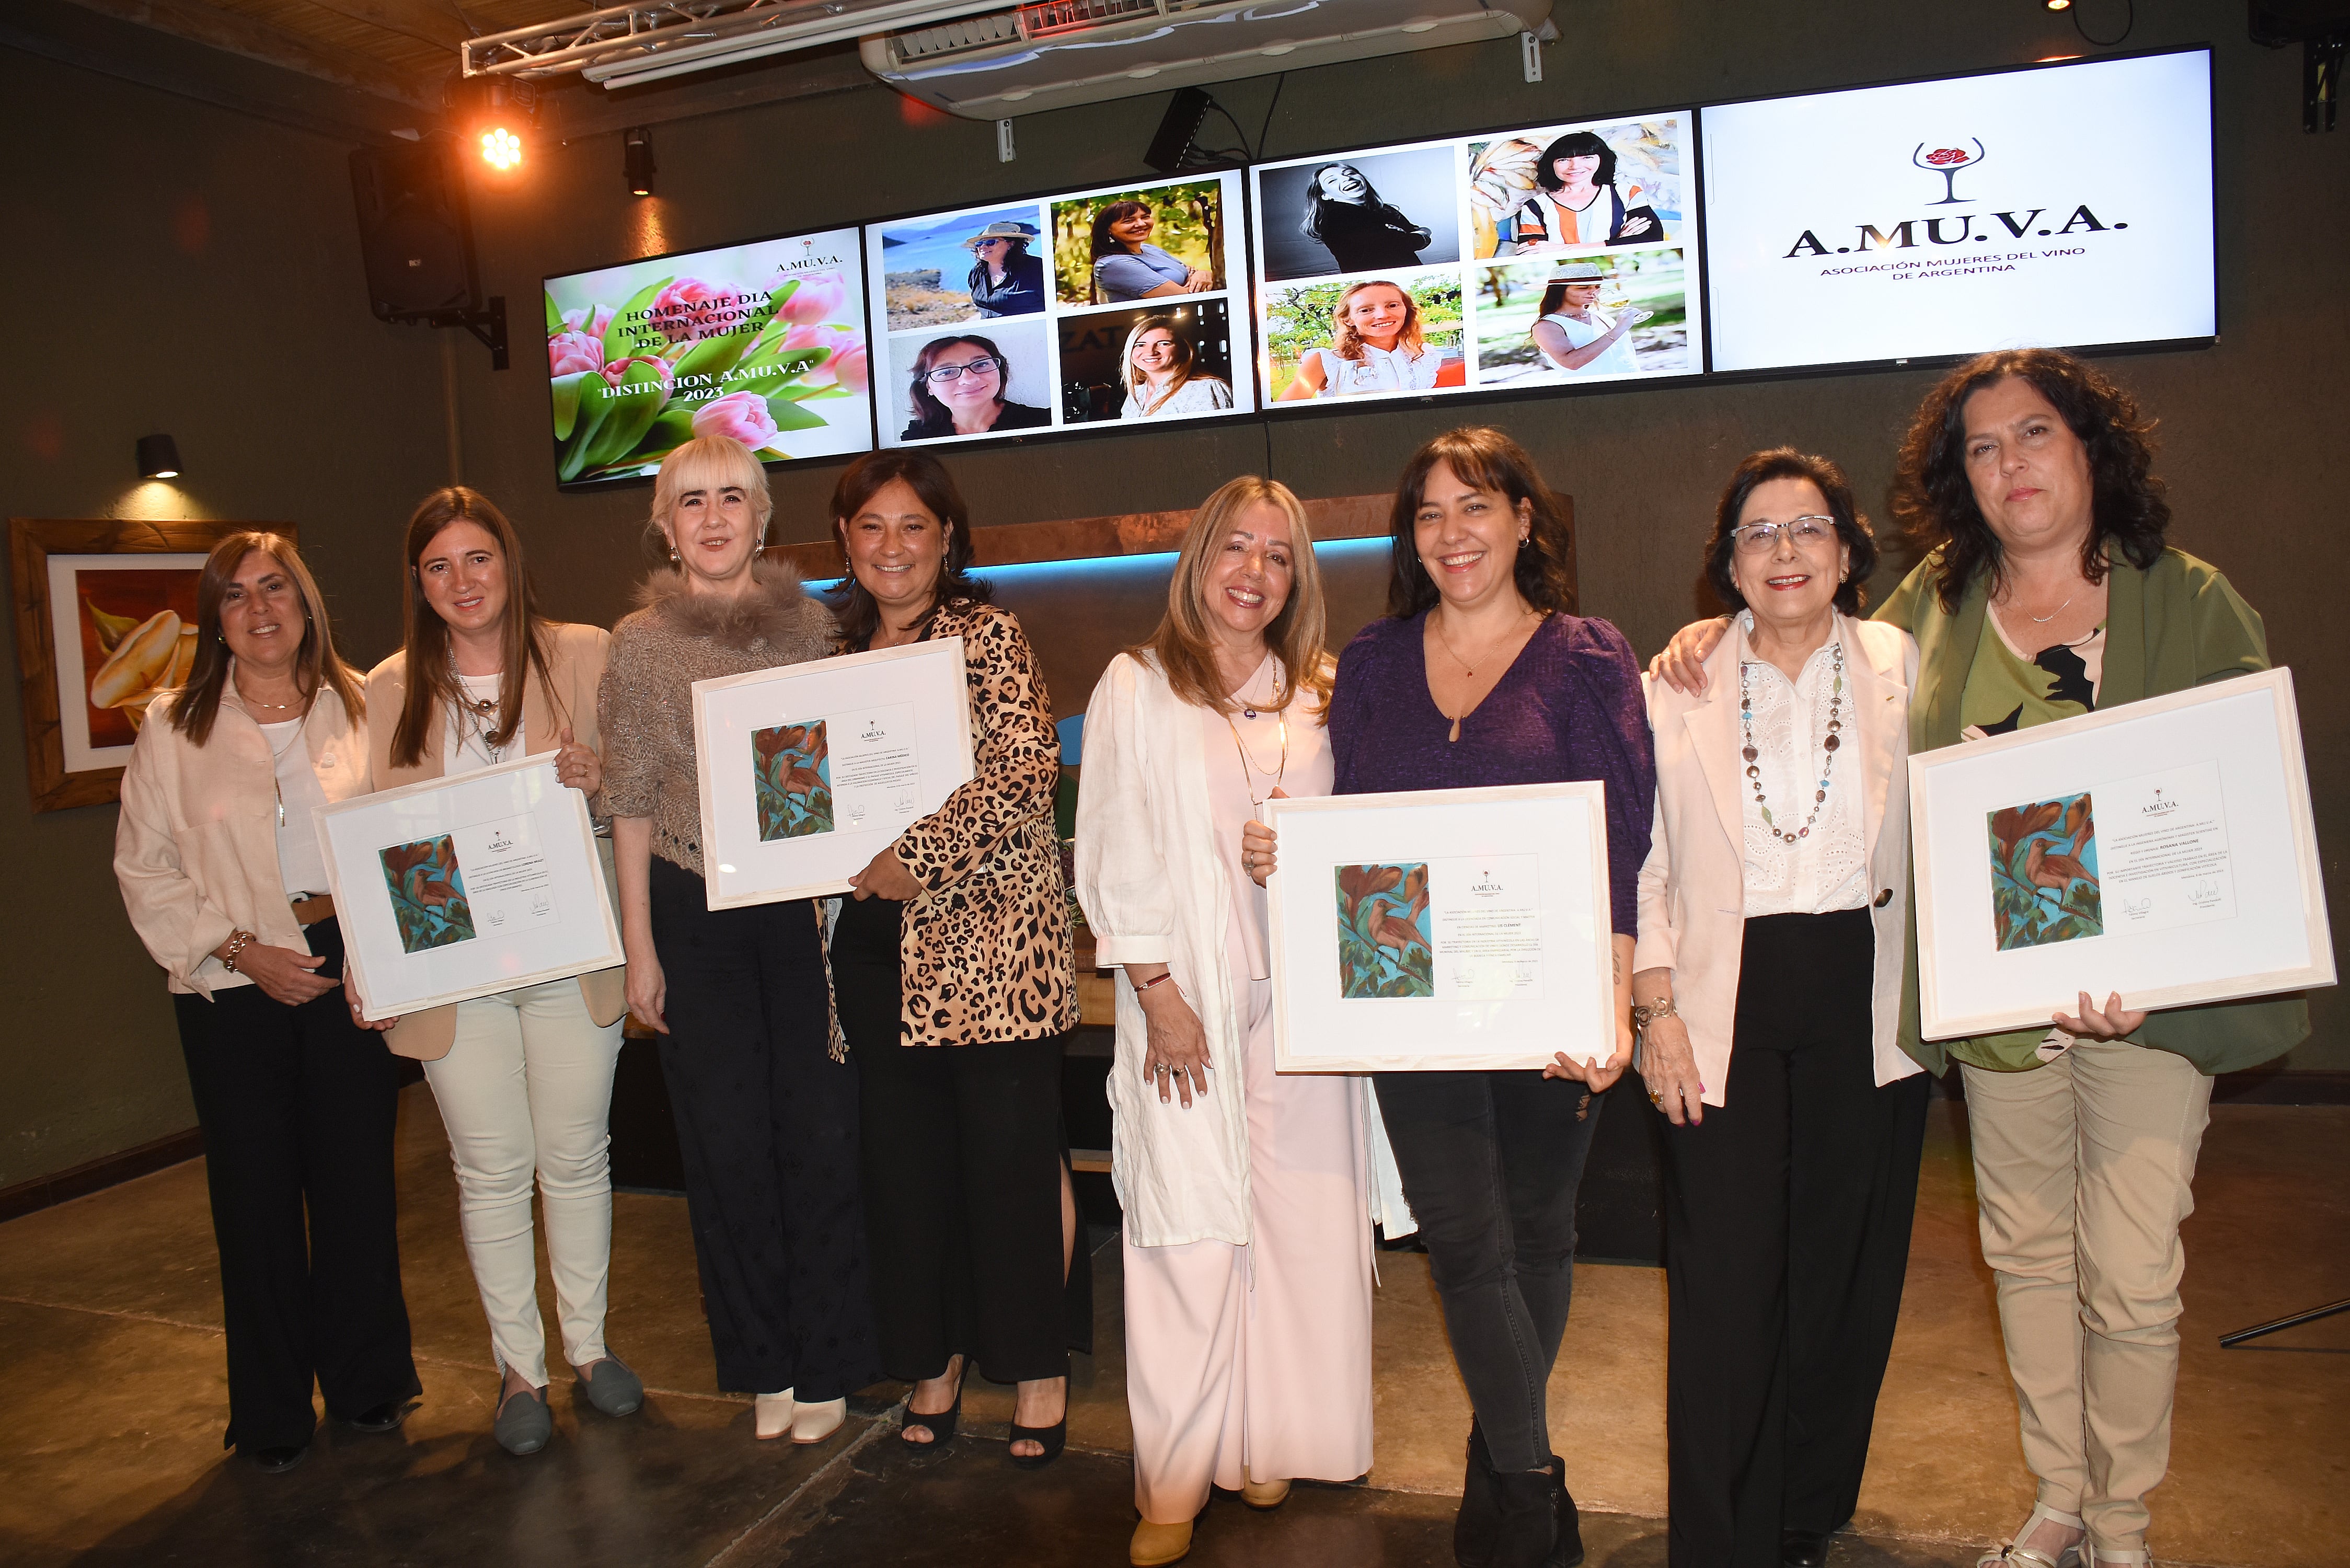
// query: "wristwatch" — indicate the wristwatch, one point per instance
point(1645, 1013)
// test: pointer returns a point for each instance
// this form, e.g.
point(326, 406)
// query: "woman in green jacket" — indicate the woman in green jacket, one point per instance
point(2048, 592)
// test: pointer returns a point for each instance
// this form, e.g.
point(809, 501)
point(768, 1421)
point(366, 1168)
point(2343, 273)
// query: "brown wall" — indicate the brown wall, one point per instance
point(170, 266)
point(289, 401)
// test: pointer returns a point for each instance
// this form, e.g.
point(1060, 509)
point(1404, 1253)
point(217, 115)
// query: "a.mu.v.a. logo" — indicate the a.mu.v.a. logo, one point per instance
point(2162, 805)
point(808, 258)
point(500, 843)
point(1485, 885)
point(1953, 228)
point(873, 731)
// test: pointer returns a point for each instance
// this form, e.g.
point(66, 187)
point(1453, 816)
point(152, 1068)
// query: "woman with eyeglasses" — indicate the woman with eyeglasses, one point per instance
point(1767, 986)
point(958, 390)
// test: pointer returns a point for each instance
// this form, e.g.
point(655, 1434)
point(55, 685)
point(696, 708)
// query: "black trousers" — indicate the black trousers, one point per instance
point(1786, 1235)
point(963, 1177)
point(766, 1129)
point(1490, 1163)
point(298, 1106)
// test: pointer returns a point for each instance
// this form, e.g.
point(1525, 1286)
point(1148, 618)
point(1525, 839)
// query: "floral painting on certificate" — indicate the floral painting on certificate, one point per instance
point(792, 779)
point(1383, 931)
point(428, 894)
point(2043, 860)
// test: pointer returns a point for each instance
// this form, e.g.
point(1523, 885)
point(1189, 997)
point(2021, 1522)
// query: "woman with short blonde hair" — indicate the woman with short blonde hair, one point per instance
point(765, 1109)
point(1247, 1246)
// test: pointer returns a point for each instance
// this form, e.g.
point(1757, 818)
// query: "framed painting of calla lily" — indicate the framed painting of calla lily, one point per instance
point(809, 770)
point(105, 619)
point(2163, 849)
point(466, 887)
point(1440, 929)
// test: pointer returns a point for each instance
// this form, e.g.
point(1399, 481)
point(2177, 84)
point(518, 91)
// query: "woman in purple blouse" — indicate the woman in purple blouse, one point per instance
point(1482, 674)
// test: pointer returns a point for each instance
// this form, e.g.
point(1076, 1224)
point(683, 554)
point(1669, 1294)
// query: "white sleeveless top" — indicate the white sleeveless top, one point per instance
point(1614, 360)
point(1378, 370)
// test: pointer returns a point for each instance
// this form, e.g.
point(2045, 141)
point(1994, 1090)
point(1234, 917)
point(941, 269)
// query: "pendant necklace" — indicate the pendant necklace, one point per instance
point(277, 755)
point(2051, 615)
point(1466, 667)
point(1249, 770)
point(479, 714)
point(1828, 746)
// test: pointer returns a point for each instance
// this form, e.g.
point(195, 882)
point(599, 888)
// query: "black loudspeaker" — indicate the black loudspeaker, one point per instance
point(415, 233)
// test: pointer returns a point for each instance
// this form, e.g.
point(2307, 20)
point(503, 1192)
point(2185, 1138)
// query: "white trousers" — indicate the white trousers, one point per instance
point(528, 1087)
point(2084, 1170)
point(1256, 1360)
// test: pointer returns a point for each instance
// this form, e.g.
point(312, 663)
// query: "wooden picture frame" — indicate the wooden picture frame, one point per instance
point(59, 743)
point(2164, 849)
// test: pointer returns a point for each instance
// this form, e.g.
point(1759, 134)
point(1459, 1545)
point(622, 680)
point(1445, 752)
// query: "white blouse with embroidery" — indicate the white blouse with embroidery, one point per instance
point(1827, 869)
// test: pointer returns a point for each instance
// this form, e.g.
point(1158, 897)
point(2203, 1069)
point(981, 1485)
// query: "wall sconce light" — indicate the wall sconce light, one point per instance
point(159, 457)
point(637, 160)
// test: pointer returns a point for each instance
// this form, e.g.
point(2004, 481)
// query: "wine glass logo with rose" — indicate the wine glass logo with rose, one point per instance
point(1947, 162)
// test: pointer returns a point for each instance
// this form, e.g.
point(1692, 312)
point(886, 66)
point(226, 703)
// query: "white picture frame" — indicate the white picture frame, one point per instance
point(891, 740)
point(2190, 815)
point(1506, 889)
point(530, 895)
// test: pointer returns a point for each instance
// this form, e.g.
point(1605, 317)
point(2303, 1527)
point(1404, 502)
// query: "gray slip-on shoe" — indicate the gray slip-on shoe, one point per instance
point(613, 1389)
point(524, 1423)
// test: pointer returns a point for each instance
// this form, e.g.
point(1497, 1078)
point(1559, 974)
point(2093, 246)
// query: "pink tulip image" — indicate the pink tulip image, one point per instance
point(568, 352)
point(743, 415)
point(817, 298)
point(618, 369)
point(848, 367)
point(593, 320)
point(689, 310)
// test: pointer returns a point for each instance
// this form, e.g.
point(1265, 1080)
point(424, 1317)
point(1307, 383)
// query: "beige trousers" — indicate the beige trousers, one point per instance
point(2084, 1169)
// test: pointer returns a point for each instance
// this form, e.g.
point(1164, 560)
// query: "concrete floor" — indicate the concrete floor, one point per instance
point(110, 1350)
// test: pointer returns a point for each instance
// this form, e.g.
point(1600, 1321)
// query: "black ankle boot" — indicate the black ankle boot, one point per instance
point(1526, 1518)
point(1472, 1529)
point(1568, 1551)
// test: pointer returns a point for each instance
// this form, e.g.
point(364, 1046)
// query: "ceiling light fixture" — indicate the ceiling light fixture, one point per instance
point(637, 164)
point(159, 457)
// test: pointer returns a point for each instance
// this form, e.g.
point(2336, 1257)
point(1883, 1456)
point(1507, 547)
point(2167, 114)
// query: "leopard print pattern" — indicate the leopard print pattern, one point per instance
point(985, 950)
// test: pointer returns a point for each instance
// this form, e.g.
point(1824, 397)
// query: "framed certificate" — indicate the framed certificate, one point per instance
point(461, 887)
point(809, 770)
point(2163, 849)
point(1441, 929)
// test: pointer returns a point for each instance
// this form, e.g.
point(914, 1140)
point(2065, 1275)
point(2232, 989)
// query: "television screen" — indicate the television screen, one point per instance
point(1546, 257)
point(764, 342)
point(2062, 204)
point(1083, 311)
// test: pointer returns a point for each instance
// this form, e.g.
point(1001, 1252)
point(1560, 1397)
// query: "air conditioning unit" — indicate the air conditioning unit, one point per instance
point(1054, 53)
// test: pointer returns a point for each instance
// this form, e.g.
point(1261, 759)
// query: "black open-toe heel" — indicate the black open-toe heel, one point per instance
point(942, 1426)
point(1051, 1437)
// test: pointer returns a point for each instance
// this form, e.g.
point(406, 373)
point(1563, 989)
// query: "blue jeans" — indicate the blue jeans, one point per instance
point(1490, 1162)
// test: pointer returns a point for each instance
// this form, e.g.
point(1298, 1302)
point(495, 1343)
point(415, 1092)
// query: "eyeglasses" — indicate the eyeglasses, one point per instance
point(1756, 538)
point(979, 367)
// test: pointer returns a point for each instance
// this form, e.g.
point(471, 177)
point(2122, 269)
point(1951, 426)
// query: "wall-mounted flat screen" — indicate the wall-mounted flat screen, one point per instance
point(2064, 204)
point(1550, 257)
point(1091, 310)
point(764, 342)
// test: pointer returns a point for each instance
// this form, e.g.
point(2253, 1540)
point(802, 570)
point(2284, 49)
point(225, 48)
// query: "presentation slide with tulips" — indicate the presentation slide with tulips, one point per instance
point(763, 342)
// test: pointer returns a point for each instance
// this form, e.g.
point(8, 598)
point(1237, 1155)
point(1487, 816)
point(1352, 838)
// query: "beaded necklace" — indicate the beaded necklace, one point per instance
point(1828, 746)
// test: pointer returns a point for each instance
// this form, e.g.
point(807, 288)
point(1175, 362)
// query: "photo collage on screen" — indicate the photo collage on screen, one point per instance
point(1542, 257)
point(1061, 313)
point(763, 342)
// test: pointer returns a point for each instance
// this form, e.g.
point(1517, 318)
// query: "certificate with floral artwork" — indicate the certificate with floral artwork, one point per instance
point(1441, 929)
point(809, 770)
point(467, 886)
point(2163, 849)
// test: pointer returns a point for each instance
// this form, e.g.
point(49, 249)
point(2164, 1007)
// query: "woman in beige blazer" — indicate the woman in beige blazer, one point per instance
point(224, 878)
point(1767, 983)
point(524, 1079)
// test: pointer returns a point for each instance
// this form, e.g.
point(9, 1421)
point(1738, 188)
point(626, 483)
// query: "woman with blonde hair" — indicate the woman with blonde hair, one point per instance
point(524, 1079)
point(1376, 346)
point(224, 881)
point(1156, 367)
point(1247, 1247)
point(765, 1105)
